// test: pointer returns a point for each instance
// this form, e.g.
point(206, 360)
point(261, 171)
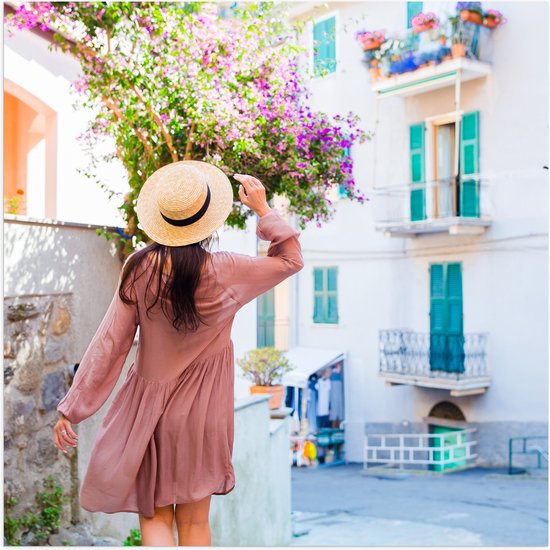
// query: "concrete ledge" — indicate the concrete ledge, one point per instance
point(25, 220)
point(250, 400)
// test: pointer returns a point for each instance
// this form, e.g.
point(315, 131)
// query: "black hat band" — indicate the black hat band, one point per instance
point(194, 217)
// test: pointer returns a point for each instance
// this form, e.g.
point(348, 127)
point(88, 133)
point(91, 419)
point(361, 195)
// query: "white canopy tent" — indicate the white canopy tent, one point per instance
point(307, 361)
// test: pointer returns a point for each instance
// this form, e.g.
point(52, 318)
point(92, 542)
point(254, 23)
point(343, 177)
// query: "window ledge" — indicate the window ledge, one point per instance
point(431, 78)
point(455, 225)
point(327, 325)
point(329, 76)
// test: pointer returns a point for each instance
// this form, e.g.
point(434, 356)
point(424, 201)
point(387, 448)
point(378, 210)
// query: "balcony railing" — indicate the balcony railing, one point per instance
point(446, 361)
point(454, 205)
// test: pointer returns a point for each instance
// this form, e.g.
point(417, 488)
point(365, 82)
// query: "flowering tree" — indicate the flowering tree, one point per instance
point(172, 81)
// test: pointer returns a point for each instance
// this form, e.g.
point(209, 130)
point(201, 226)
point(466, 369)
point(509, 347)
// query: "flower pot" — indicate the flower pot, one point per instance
point(458, 50)
point(490, 22)
point(421, 28)
point(371, 44)
point(374, 73)
point(276, 394)
point(472, 16)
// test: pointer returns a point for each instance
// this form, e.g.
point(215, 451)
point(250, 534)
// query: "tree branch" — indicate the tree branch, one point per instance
point(189, 143)
point(160, 124)
point(118, 113)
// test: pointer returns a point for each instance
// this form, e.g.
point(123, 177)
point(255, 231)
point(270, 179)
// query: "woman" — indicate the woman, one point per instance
point(165, 444)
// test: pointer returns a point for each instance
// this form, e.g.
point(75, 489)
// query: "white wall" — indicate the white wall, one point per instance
point(384, 283)
point(32, 72)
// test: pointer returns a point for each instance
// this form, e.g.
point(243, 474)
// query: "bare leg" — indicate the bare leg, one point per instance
point(158, 530)
point(192, 519)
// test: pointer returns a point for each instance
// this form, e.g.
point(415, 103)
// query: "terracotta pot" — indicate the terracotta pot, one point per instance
point(490, 22)
point(372, 44)
point(471, 16)
point(458, 50)
point(422, 28)
point(374, 74)
point(275, 391)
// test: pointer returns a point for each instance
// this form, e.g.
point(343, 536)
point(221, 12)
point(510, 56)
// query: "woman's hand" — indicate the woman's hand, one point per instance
point(255, 197)
point(63, 433)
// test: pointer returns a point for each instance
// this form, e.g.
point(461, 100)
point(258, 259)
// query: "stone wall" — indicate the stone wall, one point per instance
point(38, 343)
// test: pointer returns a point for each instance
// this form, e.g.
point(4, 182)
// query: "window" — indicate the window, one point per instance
point(446, 318)
point(342, 191)
point(325, 308)
point(324, 46)
point(452, 195)
point(265, 319)
point(417, 154)
point(413, 9)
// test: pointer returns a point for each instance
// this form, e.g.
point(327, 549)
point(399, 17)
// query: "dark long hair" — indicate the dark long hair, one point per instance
point(186, 265)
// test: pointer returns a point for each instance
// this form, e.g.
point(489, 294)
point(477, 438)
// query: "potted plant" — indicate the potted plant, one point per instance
point(470, 11)
point(458, 47)
point(493, 19)
point(264, 366)
point(372, 58)
point(370, 40)
point(424, 22)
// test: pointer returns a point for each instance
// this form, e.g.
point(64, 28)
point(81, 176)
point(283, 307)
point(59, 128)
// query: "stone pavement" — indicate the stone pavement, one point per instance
point(339, 506)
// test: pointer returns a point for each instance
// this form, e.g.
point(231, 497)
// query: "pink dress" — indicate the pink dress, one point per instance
point(168, 435)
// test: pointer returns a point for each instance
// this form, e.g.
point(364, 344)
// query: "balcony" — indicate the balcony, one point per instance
point(426, 79)
point(450, 362)
point(457, 206)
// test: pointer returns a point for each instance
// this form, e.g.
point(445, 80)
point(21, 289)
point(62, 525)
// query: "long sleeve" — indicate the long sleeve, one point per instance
point(102, 363)
point(249, 276)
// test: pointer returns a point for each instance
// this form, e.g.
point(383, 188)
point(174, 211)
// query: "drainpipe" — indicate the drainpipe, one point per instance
point(458, 127)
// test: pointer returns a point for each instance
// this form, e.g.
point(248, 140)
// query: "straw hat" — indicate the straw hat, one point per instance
point(184, 202)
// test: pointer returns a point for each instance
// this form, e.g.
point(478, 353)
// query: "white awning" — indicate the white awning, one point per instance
point(306, 361)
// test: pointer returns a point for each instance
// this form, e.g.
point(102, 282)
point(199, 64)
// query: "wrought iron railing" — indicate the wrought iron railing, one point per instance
point(463, 197)
point(433, 355)
point(441, 451)
point(528, 448)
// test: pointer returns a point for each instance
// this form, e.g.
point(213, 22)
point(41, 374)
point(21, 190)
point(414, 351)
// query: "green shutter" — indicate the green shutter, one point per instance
point(454, 299)
point(332, 295)
point(325, 295)
point(446, 318)
point(324, 43)
point(266, 319)
point(417, 168)
point(413, 9)
point(342, 191)
point(437, 299)
point(469, 164)
point(318, 295)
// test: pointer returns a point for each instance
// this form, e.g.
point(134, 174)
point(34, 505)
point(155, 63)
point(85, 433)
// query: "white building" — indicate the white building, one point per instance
point(460, 263)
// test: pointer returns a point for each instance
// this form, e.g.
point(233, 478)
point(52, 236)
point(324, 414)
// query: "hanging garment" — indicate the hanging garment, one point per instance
point(167, 436)
point(323, 399)
point(336, 396)
point(311, 410)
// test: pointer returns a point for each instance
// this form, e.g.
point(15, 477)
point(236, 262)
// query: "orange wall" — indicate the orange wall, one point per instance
point(10, 145)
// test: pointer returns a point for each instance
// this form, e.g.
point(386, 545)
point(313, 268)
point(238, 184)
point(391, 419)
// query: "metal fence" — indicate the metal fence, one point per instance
point(437, 355)
point(465, 197)
point(441, 451)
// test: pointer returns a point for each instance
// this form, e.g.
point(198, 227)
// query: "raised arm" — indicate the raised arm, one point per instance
point(246, 277)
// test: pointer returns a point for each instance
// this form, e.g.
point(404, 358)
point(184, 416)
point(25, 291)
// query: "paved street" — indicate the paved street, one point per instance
point(479, 507)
